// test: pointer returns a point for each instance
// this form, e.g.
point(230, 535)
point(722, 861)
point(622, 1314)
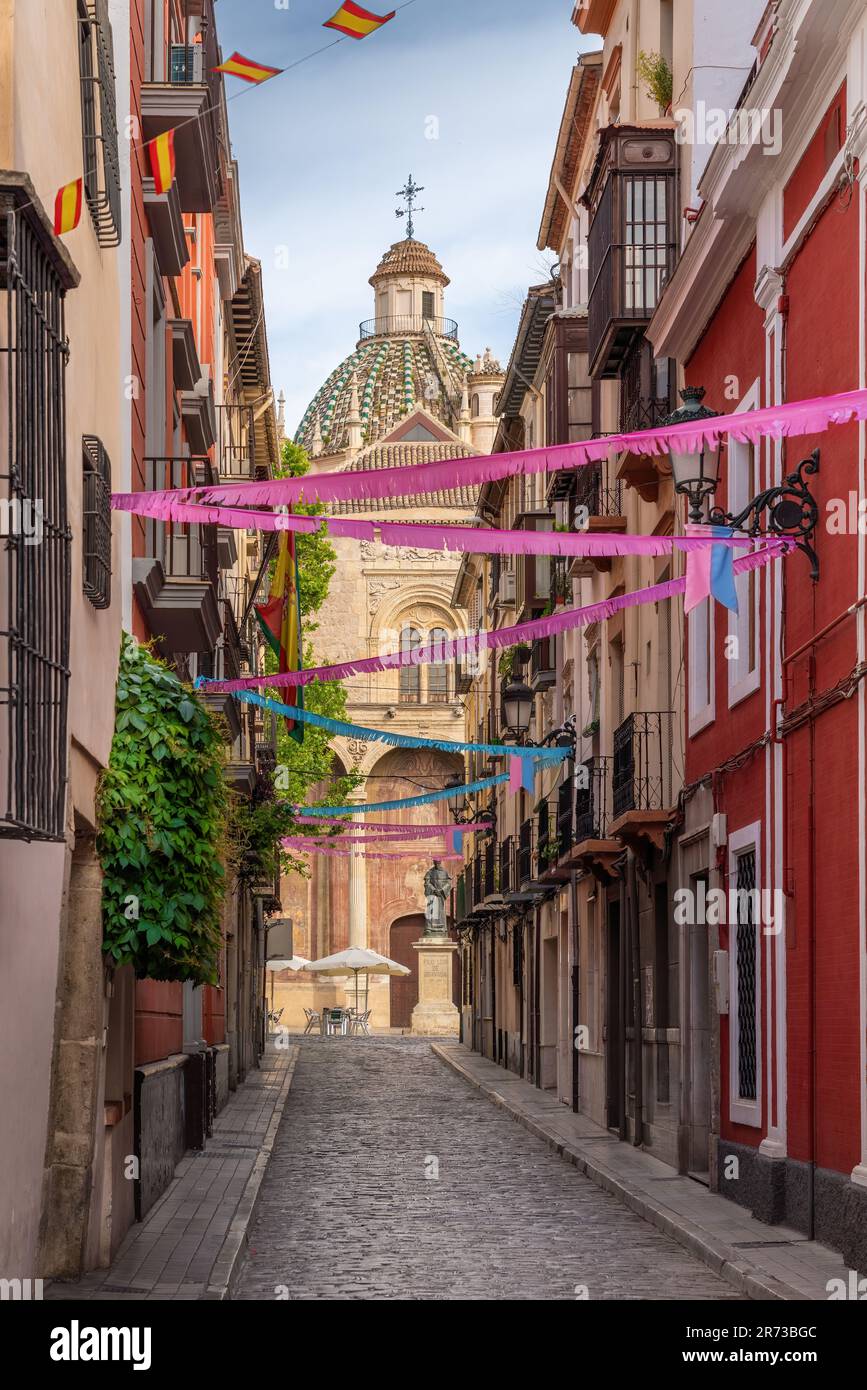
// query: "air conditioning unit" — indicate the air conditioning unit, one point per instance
point(506, 591)
point(185, 63)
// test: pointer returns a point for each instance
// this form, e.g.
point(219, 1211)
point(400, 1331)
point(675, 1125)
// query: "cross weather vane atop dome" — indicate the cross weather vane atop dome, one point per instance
point(408, 192)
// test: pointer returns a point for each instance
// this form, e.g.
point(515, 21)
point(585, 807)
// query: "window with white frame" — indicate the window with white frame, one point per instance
point(700, 627)
point(744, 932)
point(743, 651)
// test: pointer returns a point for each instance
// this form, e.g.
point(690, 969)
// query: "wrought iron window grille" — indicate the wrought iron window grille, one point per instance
point(36, 587)
point(101, 160)
point(96, 515)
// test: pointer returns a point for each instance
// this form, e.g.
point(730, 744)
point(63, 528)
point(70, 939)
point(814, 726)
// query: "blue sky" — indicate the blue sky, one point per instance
point(322, 149)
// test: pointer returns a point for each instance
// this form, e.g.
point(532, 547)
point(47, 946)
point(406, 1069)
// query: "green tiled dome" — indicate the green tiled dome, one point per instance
point(392, 375)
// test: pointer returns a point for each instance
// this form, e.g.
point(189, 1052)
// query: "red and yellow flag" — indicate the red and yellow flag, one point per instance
point(162, 157)
point(356, 22)
point(67, 207)
point(280, 620)
point(239, 66)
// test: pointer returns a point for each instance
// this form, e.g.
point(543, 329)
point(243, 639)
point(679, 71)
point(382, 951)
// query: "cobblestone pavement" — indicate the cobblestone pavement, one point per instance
point(347, 1210)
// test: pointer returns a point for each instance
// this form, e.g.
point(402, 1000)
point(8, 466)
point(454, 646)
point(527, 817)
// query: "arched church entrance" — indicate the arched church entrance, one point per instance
point(404, 988)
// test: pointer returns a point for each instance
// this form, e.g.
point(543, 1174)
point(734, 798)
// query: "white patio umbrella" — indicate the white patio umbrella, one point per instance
point(290, 963)
point(283, 963)
point(356, 961)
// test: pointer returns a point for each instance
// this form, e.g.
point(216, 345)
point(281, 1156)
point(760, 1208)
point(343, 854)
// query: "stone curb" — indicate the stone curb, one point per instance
point(724, 1259)
point(230, 1261)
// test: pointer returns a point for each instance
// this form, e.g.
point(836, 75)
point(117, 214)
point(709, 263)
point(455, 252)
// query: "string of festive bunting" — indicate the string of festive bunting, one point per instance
point(67, 207)
point(423, 535)
point(344, 730)
point(367, 836)
point(424, 831)
point(360, 808)
point(563, 620)
point(790, 419)
point(356, 22)
point(245, 68)
point(161, 153)
point(302, 847)
point(709, 572)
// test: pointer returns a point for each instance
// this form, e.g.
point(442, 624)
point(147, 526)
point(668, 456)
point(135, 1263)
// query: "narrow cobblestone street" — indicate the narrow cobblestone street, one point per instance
point(347, 1209)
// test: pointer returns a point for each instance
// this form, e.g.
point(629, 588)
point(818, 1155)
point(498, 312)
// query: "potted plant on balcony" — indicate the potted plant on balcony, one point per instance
point(656, 75)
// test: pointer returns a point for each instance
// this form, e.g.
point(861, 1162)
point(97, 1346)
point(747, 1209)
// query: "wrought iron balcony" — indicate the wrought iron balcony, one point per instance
point(593, 801)
point(181, 91)
point(566, 798)
point(543, 671)
point(176, 581)
point(643, 774)
point(237, 441)
point(506, 857)
point(632, 239)
point(524, 855)
point(398, 325)
point(597, 492)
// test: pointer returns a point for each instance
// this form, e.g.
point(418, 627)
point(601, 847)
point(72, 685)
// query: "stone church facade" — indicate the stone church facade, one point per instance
point(407, 395)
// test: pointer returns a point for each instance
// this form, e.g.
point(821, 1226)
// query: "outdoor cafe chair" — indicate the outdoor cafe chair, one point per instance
point(359, 1023)
point(313, 1019)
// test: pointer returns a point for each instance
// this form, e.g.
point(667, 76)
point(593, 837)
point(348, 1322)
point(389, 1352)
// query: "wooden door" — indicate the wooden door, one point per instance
point(404, 988)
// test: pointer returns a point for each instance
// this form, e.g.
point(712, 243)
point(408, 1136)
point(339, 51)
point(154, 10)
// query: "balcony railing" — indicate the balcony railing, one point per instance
point(547, 839)
point(542, 663)
point(597, 493)
point(642, 774)
point(566, 794)
point(185, 549)
point(506, 857)
point(181, 91)
point(236, 441)
point(632, 240)
point(393, 326)
point(593, 801)
point(478, 894)
point(524, 857)
point(489, 874)
point(224, 662)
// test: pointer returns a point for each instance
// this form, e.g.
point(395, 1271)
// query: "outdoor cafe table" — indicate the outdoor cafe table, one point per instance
point(343, 1017)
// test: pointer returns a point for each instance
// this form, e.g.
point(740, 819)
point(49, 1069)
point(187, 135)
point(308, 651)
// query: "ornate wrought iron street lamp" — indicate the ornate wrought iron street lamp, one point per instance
point(461, 811)
point(791, 509)
point(518, 701)
point(695, 471)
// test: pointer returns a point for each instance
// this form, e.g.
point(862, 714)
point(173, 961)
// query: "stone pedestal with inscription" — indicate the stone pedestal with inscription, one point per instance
point(435, 1016)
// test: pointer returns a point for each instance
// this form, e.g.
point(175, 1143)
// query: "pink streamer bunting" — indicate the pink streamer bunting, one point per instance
point(410, 831)
point(563, 620)
point(424, 535)
point(779, 421)
point(302, 846)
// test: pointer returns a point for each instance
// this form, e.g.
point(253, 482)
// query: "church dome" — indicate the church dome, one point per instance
point(409, 257)
point(407, 356)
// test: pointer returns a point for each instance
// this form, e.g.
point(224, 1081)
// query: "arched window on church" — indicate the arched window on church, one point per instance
point(410, 676)
point(475, 405)
point(438, 671)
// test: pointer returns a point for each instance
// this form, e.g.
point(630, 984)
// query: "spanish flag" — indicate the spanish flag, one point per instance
point(162, 157)
point(239, 66)
point(280, 620)
point(356, 22)
point(67, 207)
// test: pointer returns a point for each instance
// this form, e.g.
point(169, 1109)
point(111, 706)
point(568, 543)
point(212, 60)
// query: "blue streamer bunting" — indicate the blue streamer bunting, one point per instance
point(361, 808)
point(336, 726)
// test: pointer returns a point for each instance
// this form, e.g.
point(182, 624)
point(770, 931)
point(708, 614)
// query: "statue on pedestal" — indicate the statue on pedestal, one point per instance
point(437, 887)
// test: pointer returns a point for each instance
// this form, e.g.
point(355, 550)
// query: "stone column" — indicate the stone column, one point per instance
point(358, 887)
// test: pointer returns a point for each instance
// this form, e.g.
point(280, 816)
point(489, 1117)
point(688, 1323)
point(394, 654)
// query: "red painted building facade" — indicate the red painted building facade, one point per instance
point(768, 305)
